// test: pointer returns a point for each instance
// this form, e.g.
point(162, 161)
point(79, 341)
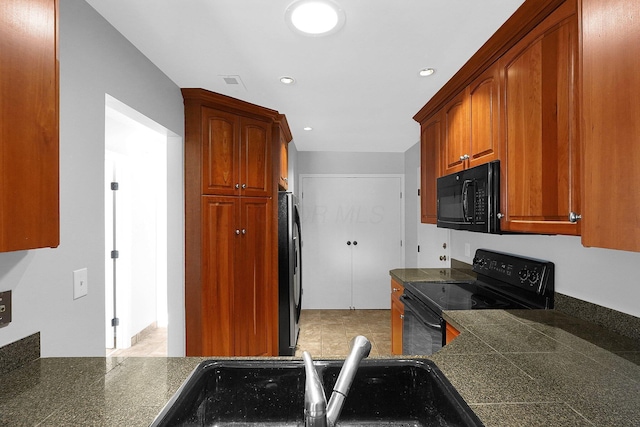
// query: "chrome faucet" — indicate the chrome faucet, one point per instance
point(316, 411)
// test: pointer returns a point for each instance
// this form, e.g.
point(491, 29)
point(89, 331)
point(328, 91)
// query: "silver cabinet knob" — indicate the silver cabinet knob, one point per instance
point(237, 186)
point(500, 216)
point(402, 316)
point(395, 289)
point(464, 157)
point(244, 231)
point(244, 186)
point(237, 231)
point(574, 217)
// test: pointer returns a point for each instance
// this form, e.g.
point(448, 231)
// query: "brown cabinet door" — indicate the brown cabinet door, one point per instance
point(221, 152)
point(210, 334)
point(611, 125)
point(484, 114)
point(29, 141)
point(540, 177)
point(397, 317)
point(430, 137)
point(456, 134)
point(255, 156)
point(283, 180)
point(251, 287)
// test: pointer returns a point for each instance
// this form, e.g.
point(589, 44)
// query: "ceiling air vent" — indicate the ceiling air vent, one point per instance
point(233, 84)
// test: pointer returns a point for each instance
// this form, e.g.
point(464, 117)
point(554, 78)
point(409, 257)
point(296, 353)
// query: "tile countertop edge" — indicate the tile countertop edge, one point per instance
point(542, 367)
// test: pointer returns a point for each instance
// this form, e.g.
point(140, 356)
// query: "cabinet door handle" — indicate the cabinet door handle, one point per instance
point(574, 217)
point(244, 186)
point(402, 316)
point(348, 242)
point(237, 231)
point(237, 186)
point(464, 157)
point(395, 289)
point(443, 257)
point(244, 231)
point(355, 243)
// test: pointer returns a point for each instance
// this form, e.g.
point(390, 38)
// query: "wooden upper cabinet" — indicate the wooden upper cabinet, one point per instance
point(29, 137)
point(611, 124)
point(430, 142)
point(221, 152)
point(236, 154)
point(472, 124)
point(484, 111)
point(283, 136)
point(456, 133)
point(540, 167)
point(255, 157)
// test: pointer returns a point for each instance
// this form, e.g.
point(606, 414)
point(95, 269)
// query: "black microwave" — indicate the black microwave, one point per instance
point(470, 199)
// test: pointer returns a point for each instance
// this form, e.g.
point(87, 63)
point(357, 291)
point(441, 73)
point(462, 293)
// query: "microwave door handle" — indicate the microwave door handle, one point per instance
point(465, 199)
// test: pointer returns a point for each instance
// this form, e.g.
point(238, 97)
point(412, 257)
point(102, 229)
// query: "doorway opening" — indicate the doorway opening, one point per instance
point(135, 231)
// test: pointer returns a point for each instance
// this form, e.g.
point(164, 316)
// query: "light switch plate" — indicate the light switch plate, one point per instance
point(467, 250)
point(80, 285)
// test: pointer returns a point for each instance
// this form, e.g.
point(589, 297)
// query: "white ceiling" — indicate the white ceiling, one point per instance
point(358, 88)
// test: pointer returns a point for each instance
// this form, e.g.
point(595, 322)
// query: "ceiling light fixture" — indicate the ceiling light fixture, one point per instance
point(307, 128)
point(426, 72)
point(315, 17)
point(287, 80)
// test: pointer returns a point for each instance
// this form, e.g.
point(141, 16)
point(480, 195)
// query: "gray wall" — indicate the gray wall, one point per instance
point(331, 162)
point(411, 163)
point(94, 60)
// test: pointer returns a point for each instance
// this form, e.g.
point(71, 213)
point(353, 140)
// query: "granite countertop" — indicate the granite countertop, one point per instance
point(542, 368)
point(521, 367)
point(404, 275)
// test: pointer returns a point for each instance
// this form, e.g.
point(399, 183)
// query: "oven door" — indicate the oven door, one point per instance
point(422, 330)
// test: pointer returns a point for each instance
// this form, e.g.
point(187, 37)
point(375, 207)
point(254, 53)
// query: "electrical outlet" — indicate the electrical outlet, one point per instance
point(467, 250)
point(5, 307)
point(80, 285)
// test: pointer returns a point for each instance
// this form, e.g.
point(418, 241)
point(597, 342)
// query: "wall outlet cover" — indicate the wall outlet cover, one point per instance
point(80, 285)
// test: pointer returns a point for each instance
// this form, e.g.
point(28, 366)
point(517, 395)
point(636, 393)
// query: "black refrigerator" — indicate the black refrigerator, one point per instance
point(289, 273)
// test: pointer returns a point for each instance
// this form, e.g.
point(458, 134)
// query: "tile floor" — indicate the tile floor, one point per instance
point(323, 333)
point(327, 333)
point(153, 343)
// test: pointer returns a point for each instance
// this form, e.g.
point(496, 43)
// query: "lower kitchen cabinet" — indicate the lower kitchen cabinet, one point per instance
point(397, 317)
point(234, 298)
point(450, 333)
point(540, 176)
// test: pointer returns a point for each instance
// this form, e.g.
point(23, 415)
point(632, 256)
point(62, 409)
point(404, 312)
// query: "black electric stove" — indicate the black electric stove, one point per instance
point(504, 281)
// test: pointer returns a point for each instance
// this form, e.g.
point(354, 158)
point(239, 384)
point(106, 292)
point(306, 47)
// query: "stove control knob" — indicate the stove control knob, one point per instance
point(534, 276)
point(523, 274)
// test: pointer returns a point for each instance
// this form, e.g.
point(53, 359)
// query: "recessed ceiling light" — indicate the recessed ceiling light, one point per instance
point(307, 128)
point(426, 72)
point(315, 17)
point(287, 80)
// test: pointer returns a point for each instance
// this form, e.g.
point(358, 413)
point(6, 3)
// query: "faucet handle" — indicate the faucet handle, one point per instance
point(315, 402)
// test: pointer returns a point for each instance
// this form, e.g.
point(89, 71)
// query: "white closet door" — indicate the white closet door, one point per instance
point(326, 258)
point(377, 228)
point(351, 234)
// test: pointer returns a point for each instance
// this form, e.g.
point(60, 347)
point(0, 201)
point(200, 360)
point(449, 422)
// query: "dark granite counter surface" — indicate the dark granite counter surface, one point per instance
point(404, 275)
point(514, 368)
point(542, 368)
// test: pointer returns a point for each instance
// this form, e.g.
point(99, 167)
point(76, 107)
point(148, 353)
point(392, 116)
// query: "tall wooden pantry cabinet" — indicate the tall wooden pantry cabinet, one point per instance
point(231, 170)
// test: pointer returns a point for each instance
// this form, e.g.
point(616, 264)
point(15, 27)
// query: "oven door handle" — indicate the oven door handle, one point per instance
point(418, 311)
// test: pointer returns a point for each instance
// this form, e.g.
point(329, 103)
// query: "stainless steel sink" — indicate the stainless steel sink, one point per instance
point(385, 392)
